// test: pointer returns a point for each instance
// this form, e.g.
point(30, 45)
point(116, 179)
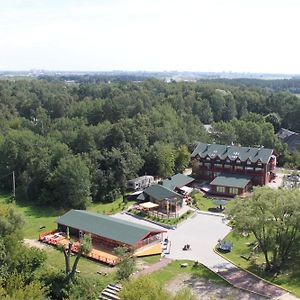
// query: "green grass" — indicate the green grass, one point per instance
point(110, 208)
point(289, 278)
point(204, 203)
point(37, 217)
point(55, 261)
point(150, 260)
point(174, 269)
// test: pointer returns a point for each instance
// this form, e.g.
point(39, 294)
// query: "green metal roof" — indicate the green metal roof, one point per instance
point(233, 152)
point(160, 192)
point(106, 226)
point(178, 180)
point(231, 180)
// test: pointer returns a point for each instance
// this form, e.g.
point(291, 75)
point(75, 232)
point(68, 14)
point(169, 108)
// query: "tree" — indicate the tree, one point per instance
point(84, 248)
point(127, 263)
point(273, 217)
point(182, 159)
point(224, 133)
point(201, 108)
point(160, 160)
point(17, 262)
point(15, 288)
point(274, 119)
point(70, 183)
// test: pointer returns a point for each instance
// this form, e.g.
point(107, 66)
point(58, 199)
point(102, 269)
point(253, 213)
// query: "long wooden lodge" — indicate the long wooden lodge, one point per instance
point(107, 233)
point(233, 170)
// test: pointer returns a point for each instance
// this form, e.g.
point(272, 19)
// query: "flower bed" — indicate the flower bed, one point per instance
point(171, 221)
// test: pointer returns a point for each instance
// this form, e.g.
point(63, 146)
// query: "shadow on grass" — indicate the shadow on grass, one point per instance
point(200, 271)
point(33, 210)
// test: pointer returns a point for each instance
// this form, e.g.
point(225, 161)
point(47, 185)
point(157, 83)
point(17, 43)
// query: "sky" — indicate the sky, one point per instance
point(151, 35)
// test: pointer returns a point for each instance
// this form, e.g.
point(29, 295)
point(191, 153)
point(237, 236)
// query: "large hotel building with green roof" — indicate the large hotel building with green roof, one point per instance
point(233, 170)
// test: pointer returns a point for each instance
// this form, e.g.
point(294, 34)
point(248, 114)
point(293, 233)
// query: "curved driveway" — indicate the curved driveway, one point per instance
point(202, 232)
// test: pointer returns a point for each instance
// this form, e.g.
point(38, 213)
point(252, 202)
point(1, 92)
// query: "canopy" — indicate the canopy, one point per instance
point(186, 189)
point(148, 205)
point(220, 202)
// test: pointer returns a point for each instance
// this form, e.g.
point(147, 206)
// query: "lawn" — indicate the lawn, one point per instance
point(37, 217)
point(174, 269)
point(55, 261)
point(242, 247)
point(150, 260)
point(204, 203)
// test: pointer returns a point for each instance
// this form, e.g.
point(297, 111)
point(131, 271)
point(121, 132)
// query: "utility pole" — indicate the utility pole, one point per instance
point(14, 184)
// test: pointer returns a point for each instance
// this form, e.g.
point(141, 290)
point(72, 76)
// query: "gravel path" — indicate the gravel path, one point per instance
point(36, 244)
point(206, 289)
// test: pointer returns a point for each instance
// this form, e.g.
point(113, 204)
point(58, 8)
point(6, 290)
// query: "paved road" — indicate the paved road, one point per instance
point(202, 232)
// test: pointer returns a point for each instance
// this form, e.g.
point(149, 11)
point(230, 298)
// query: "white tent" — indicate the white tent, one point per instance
point(187, 190)
point(148, 205)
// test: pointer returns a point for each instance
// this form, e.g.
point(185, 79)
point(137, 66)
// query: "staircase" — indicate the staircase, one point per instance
point(111, 292)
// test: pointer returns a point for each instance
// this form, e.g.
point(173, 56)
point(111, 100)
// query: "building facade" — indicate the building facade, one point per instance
point(241, 167)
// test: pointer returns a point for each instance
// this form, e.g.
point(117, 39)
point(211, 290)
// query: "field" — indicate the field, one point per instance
point(289, 278)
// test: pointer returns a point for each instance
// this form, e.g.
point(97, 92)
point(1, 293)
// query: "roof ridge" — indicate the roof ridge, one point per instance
point(114, 219)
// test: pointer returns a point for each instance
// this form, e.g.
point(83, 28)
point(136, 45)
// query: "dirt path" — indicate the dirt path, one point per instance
point(161, 264)
point(36, 244)
point(205, 289)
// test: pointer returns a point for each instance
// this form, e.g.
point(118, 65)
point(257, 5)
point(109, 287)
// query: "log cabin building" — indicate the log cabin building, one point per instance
point(233, 170)
point(108, 232)
point(168, 195)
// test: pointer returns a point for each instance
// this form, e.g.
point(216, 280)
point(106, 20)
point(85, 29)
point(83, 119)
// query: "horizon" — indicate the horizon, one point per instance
point(33, 70)
point(150, 35)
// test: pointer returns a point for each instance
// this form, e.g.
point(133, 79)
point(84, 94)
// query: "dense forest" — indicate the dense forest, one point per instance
point(73, 142)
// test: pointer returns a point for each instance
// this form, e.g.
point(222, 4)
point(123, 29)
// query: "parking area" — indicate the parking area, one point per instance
point(201, 232)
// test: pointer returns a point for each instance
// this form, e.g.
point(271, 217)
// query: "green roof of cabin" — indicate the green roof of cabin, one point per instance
point(178, 180)
point(105, 226)
point(231, 180)
point(233, 152)
point(159, 192)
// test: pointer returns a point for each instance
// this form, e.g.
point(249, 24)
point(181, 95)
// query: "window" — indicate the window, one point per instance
point(249, 169)
point(239, 168)
point(220, 189)
point(218, 165)
point(258, 169)
point(233, 190)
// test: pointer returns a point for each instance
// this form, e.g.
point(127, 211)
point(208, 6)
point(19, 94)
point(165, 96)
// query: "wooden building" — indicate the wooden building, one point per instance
point(107, 233)
point(232, 170)
point(168, 201)
point(291, 138)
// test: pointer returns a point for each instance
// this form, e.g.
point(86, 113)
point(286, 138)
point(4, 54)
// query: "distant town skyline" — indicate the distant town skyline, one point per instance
point(249, 36)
